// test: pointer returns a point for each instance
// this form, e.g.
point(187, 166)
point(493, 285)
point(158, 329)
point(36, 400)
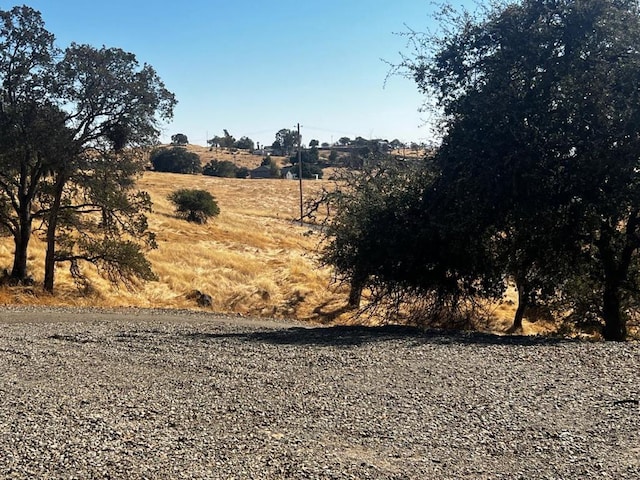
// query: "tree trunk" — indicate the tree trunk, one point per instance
point(19, 270)
point(616, 270)
point(21, 241)
point(50, 258)
point(355, 292)
point(615, 321)
point(523, 302)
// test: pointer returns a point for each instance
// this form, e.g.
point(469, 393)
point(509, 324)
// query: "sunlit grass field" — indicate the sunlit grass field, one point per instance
point(253, 259)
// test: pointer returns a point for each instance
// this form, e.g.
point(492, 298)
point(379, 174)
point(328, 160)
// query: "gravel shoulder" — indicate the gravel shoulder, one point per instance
point(155, 394)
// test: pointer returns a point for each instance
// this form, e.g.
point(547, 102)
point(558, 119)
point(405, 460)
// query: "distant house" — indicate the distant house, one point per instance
point(264, 151)
point(289, 173)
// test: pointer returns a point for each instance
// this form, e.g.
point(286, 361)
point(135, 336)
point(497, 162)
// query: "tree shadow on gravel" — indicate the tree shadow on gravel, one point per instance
point(359, 335)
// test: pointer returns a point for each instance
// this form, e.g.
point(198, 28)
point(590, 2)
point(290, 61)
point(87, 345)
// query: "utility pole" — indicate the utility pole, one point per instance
point(300, 174)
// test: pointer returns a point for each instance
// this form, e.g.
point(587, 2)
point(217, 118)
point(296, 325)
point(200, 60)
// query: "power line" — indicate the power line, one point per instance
point(300, 174)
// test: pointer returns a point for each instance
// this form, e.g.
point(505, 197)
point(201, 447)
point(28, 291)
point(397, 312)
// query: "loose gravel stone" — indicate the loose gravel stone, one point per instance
point(184, 395)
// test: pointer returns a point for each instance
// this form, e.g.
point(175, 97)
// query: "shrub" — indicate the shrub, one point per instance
point(244, 143)
point(224, 168)
point(179, 139)
point(220, 168)
point(194, 205)
point(175, 160)
point(274, 170)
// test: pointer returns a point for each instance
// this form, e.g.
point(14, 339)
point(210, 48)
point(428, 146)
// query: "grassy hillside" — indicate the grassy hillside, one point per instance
point(252, 259)
point(242, 158)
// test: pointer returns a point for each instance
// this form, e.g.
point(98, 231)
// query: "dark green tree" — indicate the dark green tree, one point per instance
point(244, 143)
point(384, 234)
point(175, 160)
point(179, 139)
point(114, 106)
point(310, 165)
point(194, 205)
point(541, 146)
point(100, 218)
point(225, 141)
point(26, 63)
point(215, 142)
point(66, 120)
point(285, 141)
point(220, 168)
point(228, 141)
point(274, 169)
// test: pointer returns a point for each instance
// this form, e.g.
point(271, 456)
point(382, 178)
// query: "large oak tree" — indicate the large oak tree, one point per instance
point(72, 127)
point(540, 101)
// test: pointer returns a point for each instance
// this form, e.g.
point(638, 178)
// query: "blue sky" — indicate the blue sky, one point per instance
point(256, 66)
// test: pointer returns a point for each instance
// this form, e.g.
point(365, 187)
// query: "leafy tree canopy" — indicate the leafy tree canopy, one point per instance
point(179, 139)
point(225, 141)
point(274, 169)
point(175, 160)
point(244, 143)
point(310, 166)
point(537, 178)
point(194, 205)
point(540, 147)
point(70, 125)
point(224, 168)
point(285, 141)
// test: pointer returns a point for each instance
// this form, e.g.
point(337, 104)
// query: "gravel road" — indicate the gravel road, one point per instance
point(149, 394)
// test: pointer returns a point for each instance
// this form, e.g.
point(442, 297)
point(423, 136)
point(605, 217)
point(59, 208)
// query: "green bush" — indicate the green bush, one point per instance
point(217, 168)
point(274, 170)
point(310, 165)
point(175, 160)
point(179, 139)
point(224, 168)
point(194, 205)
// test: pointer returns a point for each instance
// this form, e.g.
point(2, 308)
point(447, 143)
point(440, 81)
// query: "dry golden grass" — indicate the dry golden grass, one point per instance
point(502, 314)
point(252, 258)
point(241, 158)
